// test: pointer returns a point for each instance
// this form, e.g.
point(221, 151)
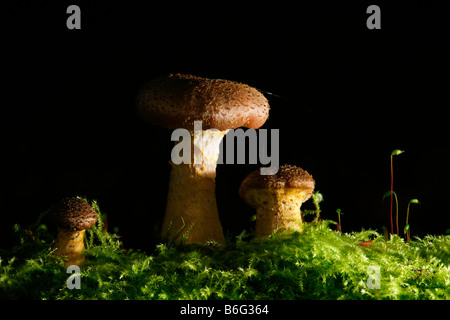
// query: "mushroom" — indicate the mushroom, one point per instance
point(72, 217)
point(277, 198)
point(176, 101)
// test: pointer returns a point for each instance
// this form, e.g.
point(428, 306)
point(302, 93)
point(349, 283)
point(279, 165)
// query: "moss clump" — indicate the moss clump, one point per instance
point(318, 263)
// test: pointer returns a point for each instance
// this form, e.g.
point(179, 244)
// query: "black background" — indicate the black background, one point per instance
point(345, 98)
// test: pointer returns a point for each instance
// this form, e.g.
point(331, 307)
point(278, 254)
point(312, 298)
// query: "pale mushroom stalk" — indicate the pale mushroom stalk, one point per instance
point(280, 211)
point(191, 210)
point(70, 244)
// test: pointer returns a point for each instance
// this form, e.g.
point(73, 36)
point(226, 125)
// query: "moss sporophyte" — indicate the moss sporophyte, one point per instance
point(317, 263)
point(407, 227)
point(396, 152)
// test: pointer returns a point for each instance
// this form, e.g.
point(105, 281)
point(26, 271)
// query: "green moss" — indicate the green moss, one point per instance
point(318, 263)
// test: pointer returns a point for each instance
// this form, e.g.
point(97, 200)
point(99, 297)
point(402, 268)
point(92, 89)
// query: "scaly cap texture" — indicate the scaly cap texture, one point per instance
point(73, 214)
point(176, 101)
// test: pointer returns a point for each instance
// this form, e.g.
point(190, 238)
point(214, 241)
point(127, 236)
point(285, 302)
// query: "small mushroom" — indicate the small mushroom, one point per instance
point(72, 217)
point(277, 198)
point(177, 101)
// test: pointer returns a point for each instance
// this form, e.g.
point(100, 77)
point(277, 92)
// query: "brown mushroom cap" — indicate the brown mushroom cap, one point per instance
point(73, 214)
point(288, 177)
point(177, 100)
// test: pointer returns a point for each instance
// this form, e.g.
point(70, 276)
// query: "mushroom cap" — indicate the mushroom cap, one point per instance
point(73, 214)
point(288, 177)
point(176, 101)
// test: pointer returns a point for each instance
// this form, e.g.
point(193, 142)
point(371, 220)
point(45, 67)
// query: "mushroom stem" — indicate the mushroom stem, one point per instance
point(70, 244)
point(280, 211)
point(191, 212)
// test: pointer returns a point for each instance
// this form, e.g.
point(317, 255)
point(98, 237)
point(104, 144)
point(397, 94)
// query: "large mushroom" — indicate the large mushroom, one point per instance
point(72, 217)
point(177, 101)
point(277, 198)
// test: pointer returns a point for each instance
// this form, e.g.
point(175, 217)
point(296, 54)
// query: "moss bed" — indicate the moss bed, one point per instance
point(318, 263)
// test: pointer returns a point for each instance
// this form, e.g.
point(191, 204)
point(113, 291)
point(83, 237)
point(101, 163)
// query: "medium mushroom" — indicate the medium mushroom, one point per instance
point(72, 217)
point(277, 198)
point(176, 101)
